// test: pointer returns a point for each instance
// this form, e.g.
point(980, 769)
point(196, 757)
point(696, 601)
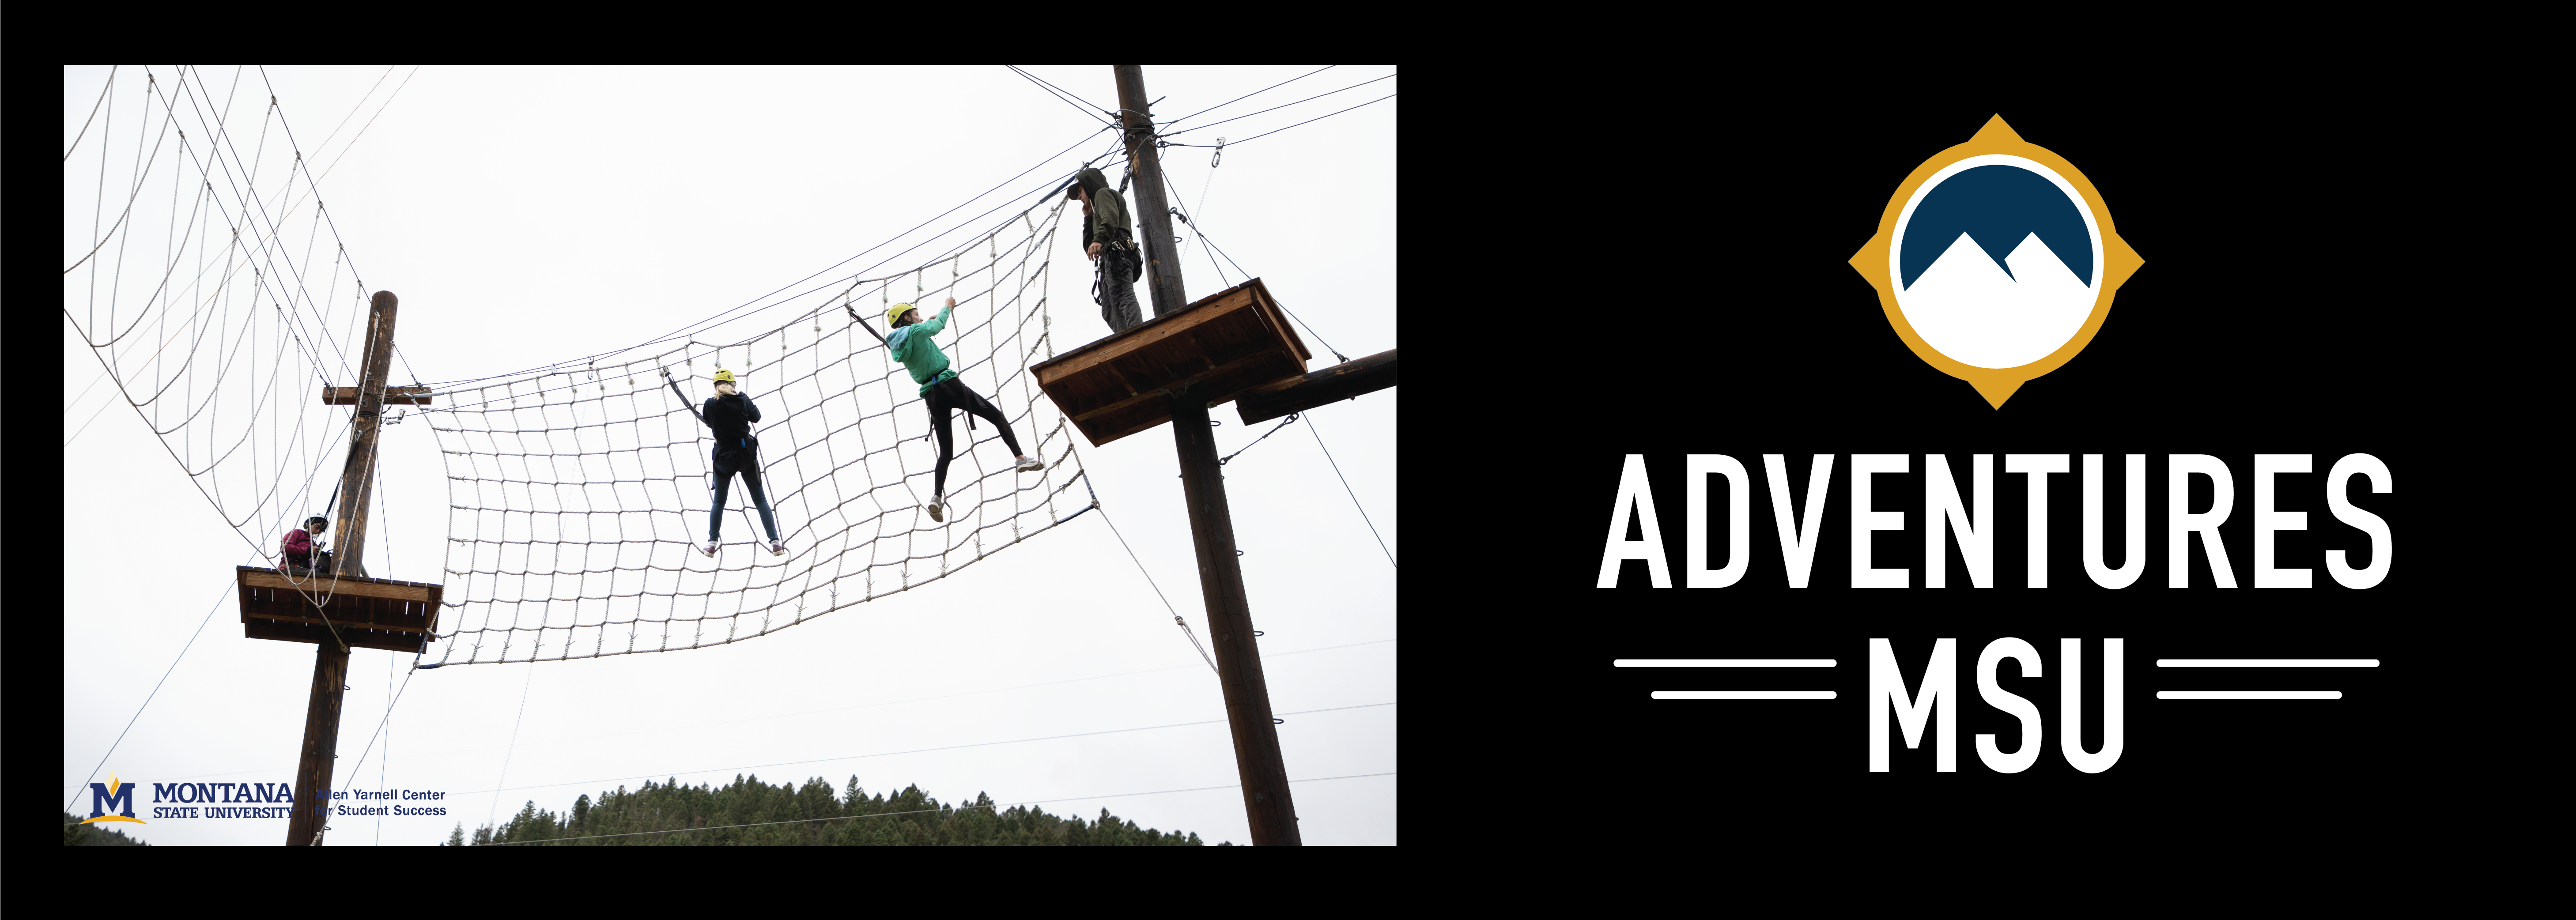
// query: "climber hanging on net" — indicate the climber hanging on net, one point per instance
point(910, 341)
point(1108, 239)
point(737, 452)
point(298, 550)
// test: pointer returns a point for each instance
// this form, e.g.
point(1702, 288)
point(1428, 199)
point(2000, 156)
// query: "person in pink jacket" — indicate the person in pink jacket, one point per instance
point(298, 545)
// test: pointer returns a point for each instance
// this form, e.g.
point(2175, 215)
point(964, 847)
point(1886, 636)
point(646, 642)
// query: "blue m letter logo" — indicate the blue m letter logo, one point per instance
point(102, 800)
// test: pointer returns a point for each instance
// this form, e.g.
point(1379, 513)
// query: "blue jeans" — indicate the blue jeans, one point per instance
point(746, 463)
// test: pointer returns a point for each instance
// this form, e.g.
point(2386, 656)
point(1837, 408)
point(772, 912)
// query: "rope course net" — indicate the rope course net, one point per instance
point(220, 341)
point(576, 490)
point(576, 497)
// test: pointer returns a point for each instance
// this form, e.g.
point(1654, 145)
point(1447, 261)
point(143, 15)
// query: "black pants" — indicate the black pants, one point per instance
point(1112, 289)
point(746, 463)
point(953, 394)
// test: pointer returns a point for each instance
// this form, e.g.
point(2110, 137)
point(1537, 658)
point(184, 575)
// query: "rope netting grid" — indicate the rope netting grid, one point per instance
point(213, 342)
point(576, 497)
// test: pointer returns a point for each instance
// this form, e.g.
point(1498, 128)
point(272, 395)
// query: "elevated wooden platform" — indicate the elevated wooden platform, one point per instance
point(371, 612)
point(1224, 344)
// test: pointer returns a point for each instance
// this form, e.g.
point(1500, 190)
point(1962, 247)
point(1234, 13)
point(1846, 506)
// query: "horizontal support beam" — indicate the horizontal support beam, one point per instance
point(394, 396)
point(1338, 382)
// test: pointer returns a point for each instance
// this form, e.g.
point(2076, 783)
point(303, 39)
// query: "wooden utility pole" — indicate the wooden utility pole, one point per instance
point(358, 473)
point(1238, 655)
point(331, 658)
point(1247, 696)
point(1153, 215)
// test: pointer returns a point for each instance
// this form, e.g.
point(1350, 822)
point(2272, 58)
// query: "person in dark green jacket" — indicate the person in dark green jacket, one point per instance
point(1108, 238)
point(912, 343)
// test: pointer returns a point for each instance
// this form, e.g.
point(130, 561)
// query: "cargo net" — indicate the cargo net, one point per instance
point(577, 499)
point(221, 341)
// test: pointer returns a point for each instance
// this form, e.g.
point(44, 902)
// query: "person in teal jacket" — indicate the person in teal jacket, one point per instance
point(911, 342)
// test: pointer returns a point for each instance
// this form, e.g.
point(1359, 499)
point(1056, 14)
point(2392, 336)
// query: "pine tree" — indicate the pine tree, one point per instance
point(749, 812)
point(76, 834)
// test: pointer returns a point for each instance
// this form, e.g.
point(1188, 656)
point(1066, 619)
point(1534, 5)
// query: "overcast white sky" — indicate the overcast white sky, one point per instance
point(529, 215)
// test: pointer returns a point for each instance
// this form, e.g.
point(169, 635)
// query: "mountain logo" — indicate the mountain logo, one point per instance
point(1996, 261)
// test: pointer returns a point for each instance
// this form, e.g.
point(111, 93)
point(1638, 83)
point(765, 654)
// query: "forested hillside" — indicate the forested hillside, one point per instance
point(76, 834)
point(670, 814)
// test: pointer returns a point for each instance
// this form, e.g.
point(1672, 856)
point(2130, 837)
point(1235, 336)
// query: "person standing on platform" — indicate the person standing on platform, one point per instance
point(1108, 238)
point(910, 341)
point(731, 413)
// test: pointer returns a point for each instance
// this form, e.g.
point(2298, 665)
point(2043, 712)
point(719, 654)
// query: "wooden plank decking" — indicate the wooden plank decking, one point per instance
point(370, 612)
point(1224, 344)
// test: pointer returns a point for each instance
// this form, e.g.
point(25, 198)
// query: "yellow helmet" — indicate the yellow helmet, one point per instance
point(895, 313)
point(723, 376)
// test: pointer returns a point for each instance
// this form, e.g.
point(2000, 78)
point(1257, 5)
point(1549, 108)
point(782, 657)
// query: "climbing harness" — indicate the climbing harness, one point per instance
point(935, 417)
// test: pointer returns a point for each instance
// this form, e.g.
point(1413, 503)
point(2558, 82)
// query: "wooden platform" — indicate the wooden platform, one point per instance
point(1226, 343)
point(371, 612)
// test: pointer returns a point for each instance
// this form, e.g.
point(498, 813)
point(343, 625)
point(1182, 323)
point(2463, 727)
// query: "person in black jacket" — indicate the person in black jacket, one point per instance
point(730, 413)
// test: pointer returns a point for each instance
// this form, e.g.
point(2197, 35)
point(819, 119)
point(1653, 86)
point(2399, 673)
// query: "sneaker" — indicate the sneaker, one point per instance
point(709, 549)
point(1029, 464)
point(938, 509)
point(777, 547)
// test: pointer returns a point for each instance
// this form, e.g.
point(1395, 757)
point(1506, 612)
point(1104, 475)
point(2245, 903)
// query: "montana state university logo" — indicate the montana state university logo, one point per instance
point(1996, 261)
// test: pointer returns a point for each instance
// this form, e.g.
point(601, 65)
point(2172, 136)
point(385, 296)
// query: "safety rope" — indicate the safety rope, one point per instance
point(374, 450)
point(1292, 417)
point(1158, 589)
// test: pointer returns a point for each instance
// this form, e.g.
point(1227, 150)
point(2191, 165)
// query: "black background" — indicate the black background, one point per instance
point(2306, 289)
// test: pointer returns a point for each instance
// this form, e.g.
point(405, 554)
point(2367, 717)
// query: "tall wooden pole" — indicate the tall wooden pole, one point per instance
point(313, 769)
point(358, 474)
point(1238, 656)
point(1153, 215)
point(321, 744)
